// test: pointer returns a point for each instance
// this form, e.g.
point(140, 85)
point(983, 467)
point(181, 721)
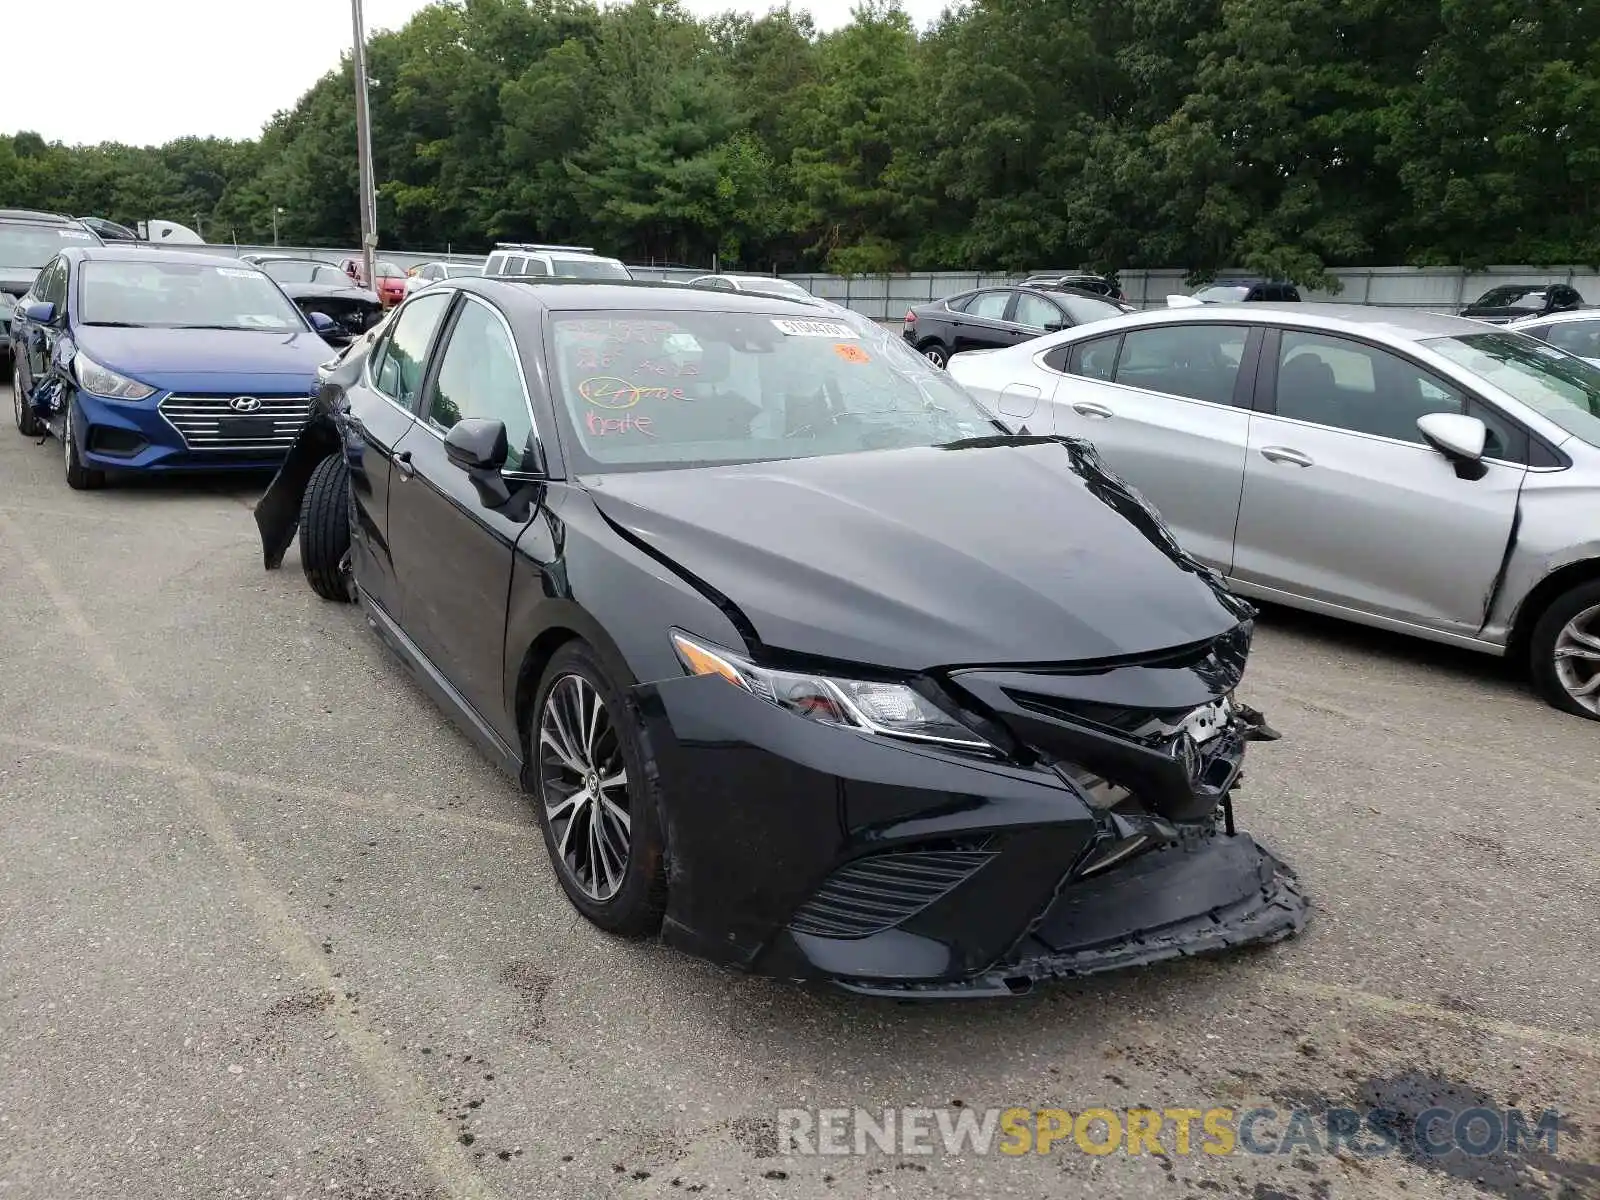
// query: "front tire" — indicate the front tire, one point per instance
point(21, 410)
point(1565, 651)
point(79, 477)
point(325, 530)
point(595, 796)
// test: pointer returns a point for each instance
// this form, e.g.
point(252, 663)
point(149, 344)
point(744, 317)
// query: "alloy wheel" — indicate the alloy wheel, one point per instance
point(1577, 656)
point(934, 355)
point(584, 787)
point(66, 434)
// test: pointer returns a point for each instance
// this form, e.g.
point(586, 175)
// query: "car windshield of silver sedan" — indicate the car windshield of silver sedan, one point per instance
point(176, 295)
point(31, 246)
point(1553, 383)
point(660, 389)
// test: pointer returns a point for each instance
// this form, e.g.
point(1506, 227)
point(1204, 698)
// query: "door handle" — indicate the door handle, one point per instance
point(1284, 454)
point(1088, 408)
point(402, 463)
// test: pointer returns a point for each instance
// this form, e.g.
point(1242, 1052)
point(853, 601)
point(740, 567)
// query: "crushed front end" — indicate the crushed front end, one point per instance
point(1098, 835)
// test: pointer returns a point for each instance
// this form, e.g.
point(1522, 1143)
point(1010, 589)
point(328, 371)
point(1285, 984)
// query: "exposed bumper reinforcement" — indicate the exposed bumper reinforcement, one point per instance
point(1203, 895)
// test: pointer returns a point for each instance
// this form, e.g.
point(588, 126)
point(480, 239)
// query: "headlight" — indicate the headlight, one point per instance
point(890, 709)
point(103, 381)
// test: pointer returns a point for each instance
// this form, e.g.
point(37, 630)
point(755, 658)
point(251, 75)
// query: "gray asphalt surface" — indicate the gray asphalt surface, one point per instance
point(270, 928)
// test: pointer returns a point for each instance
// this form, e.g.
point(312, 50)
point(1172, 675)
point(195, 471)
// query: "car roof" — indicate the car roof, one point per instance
point(1397, 324)
point(647, 294)
point(34, 216)
point(119, 253)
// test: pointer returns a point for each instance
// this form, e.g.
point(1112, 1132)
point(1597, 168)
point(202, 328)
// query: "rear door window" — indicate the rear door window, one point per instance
point(990, 306)
point(1037, 312)
point(1197, 361)
point(1575, 337)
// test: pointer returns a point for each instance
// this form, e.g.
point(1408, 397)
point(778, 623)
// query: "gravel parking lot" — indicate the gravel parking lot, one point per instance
point(270, 928)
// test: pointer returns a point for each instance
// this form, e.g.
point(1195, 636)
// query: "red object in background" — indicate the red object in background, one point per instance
point(391, 289)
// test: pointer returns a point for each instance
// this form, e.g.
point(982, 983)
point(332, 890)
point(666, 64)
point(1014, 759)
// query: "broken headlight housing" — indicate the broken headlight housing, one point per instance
point(868, 706)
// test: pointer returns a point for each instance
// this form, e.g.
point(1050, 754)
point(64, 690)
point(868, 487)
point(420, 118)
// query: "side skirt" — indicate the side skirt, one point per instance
point(440, 689)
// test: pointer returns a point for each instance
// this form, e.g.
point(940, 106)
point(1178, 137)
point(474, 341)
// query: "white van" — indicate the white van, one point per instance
point(561, 262)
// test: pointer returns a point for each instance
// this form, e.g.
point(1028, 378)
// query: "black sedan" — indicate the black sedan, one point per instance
point(989, 318)
point(320, 287)
point(1516, 301)
point(806, 664)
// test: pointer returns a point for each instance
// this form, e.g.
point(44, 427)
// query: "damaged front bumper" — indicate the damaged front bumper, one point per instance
point(1103, 840)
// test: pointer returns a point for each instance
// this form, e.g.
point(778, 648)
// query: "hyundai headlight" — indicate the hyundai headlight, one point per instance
point(103, 381)
point(870, 706)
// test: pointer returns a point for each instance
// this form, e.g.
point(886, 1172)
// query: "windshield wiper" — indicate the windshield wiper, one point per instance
point(116, 325)
point(238, 328)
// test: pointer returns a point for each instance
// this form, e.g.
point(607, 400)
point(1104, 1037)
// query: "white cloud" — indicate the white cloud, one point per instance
point(147, 71)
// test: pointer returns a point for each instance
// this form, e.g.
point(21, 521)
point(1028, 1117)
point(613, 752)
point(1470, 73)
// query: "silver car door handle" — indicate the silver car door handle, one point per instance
point(1283, 454)
point(1087, 408)
point(402, 464)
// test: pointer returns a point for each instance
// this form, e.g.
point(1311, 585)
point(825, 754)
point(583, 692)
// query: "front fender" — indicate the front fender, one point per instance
point(277, 513)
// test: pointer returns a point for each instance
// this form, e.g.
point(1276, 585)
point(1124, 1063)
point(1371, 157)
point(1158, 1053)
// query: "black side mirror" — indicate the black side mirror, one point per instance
point(476, 444)
point(1054, 326)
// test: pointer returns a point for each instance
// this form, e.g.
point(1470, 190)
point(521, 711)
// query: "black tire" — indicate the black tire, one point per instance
point(21, 411)
point(325, 530)
point(636, 907)
point(1580, 605)
point(79, 477)
point(935, 353)
point(8, 373)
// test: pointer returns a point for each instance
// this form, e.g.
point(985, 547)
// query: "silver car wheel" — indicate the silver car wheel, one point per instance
point(584, 787)
point(66, 434)
point(1578, 658)
point(934, 355)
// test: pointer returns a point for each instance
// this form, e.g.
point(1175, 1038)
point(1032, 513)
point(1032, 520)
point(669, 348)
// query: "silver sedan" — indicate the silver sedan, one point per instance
point(1420, 473)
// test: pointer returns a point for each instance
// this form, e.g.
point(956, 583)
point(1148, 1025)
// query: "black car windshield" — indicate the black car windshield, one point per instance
point(31, 246)
point(1559, 386)
point(644, 390)
point(1511, 297)
point(1222, 293)
point(178, 295)
point(588, 268)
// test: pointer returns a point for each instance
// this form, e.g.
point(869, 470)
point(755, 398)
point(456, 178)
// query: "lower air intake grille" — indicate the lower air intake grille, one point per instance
point(876, 893)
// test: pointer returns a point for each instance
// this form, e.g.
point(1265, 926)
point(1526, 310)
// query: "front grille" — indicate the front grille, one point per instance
point(212, 423)
point(876, 893)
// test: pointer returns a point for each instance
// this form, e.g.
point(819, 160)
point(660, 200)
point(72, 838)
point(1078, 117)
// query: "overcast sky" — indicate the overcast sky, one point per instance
point(147, 71)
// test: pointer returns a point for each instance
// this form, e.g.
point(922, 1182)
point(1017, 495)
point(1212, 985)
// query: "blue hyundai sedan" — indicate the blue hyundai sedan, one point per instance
point(140, 359)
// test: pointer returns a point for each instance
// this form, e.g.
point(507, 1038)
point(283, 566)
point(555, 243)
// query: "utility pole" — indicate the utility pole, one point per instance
point(369, 202)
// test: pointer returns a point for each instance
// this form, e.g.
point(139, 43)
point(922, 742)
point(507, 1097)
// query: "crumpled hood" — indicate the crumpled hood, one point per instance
point(1008, 550)
point(208, 360)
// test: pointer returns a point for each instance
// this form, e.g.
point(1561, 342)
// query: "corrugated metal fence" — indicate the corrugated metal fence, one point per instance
point(886, 297)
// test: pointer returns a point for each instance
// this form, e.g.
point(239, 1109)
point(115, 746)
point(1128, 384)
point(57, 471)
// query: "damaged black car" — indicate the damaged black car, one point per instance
point(806, 663)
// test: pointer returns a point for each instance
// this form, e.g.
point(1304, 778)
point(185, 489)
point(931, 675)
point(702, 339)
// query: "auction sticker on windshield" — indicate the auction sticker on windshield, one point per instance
point(237, 273)
point(824, 329)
